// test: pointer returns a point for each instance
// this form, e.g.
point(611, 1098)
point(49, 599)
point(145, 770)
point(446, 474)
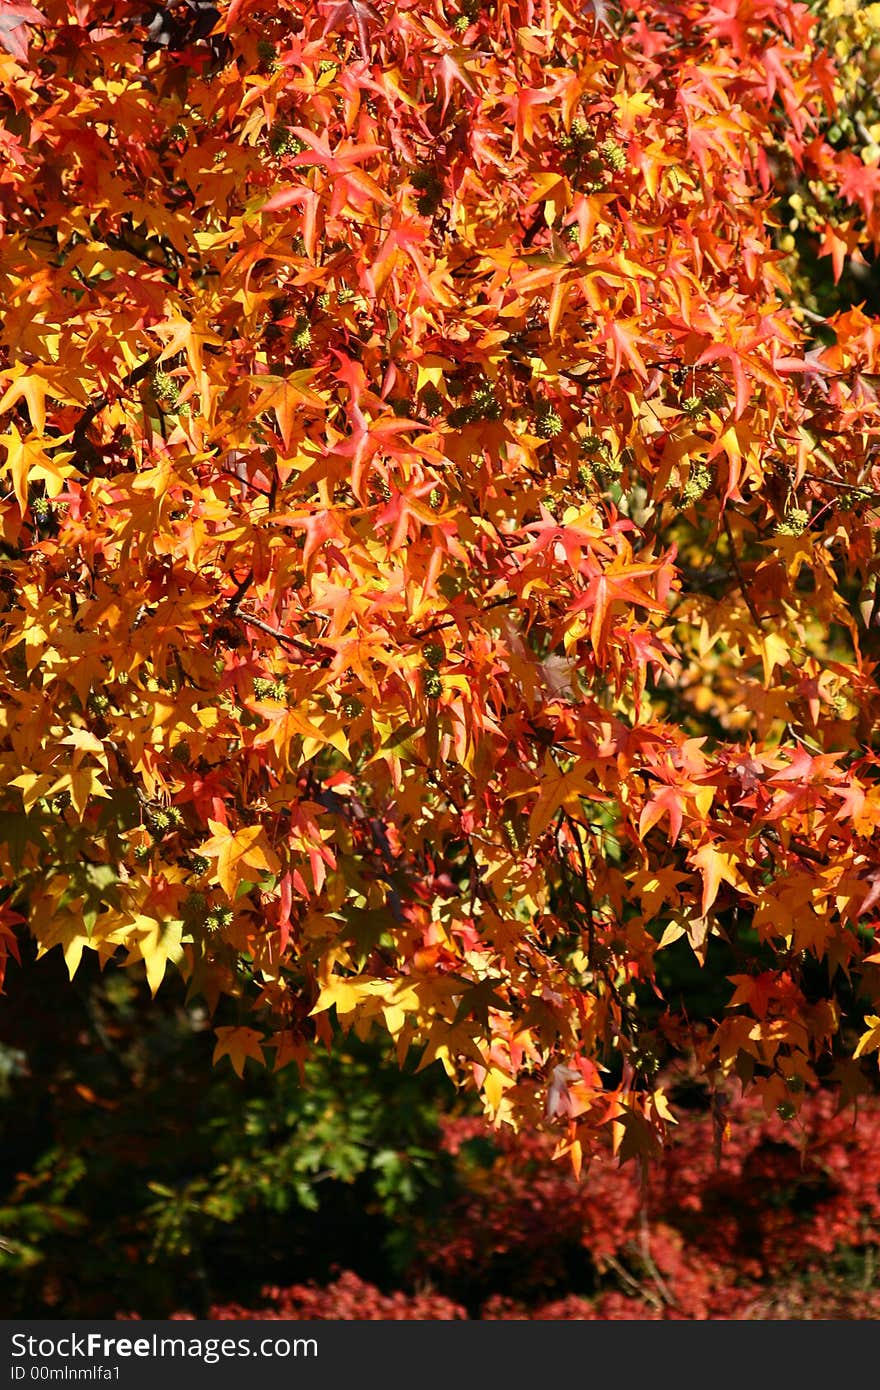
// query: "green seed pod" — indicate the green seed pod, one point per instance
point(433, 685)
point(714, 397)
point(217, 920)
point(433, 654)
point(160, 822)
point(614, 156)
point(432, 401)
point(794, 523)
point(302, 334)
point(165, 388)
point(607, 467)
point(697, 484)
point(485, 405)
point(548, 424)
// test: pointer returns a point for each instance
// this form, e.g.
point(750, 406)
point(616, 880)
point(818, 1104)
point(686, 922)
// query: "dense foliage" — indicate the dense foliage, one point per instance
point(438, 571)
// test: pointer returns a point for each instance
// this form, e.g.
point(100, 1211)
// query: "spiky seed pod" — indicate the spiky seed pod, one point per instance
point(548, 424)
point(302, 334)
point(432, 401)
point(614, 156)
point(165, 388)
point(697, 484)
point(160, 822)
point(714, 397)
point(793, 523)
point(485, 405)
point(217, 920)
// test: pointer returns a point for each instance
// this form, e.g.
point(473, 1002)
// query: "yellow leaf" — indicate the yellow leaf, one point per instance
point(285, 397)
point(155, 943)
point(494, 1086)
point(238, 1044)
point(714, 865)
point(34, 390)
point(84, 741)
point(234, 851)
point(774, 652)
point(82, 783)
point(557, 789)
point(672, 932)
point(26, 461)
point(431, 371)
point(870, 1041)
point(33, 786)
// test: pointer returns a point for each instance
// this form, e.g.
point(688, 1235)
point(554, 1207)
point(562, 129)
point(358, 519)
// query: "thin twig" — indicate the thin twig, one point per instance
point(740, 579)
point(283, 637)
point(453, 622)
point(588, 901)
point(241, 590)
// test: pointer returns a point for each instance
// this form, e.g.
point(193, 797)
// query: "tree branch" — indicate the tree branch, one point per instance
point(740, 579)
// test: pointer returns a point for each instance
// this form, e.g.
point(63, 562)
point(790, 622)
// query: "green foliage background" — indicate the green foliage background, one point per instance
point(134, 1176)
